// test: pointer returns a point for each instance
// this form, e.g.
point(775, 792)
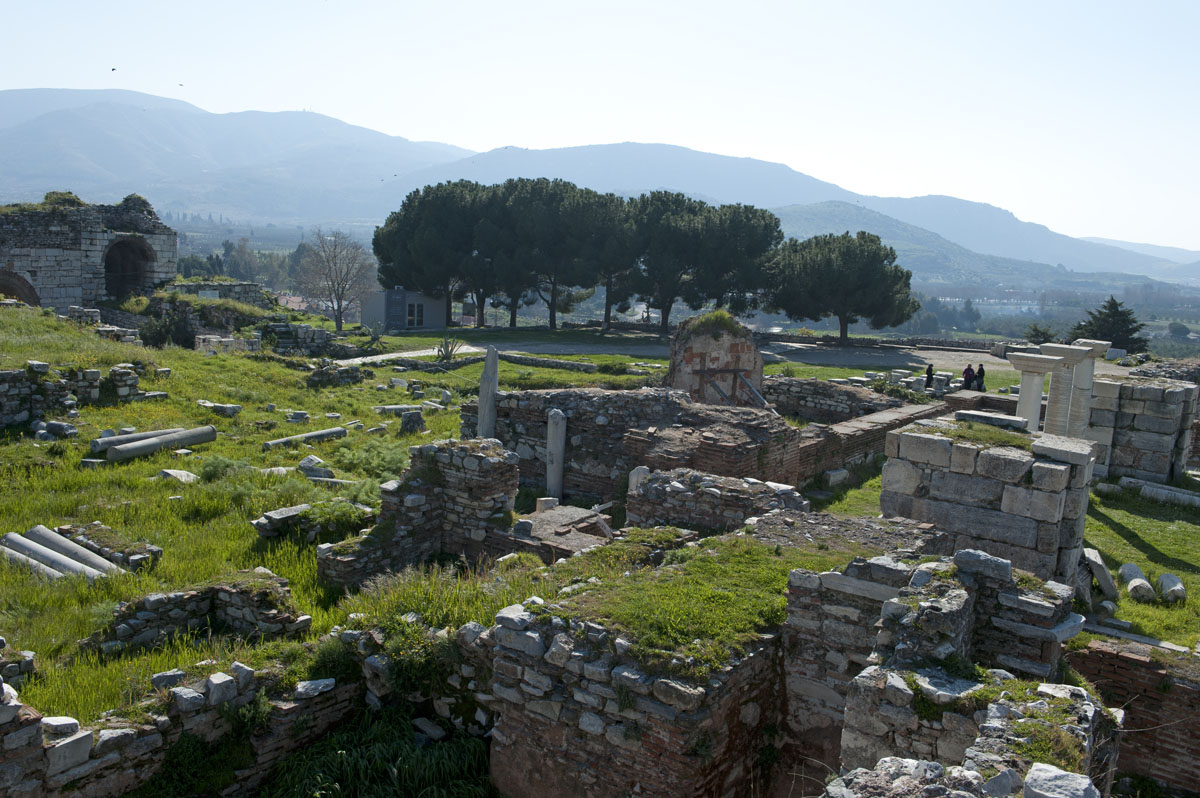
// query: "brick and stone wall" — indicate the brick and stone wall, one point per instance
point(456, 498)
point(1143, 428)
point(609, 433)
point(60, 254)
point(255, 605)
point(1026, 506)
point(60, 758)
point(1161, 700)
point(707, 365)
point(696, 500)
point(823, 401)
point(245, 292)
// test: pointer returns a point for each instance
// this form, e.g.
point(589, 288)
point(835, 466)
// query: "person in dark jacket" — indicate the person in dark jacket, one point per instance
point(929, 375)
point(979, 375)
point(968, 377)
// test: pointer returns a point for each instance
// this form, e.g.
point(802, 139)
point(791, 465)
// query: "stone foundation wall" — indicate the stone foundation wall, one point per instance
point(1027, 507)
point(1143, 428)
point(456, 498)
point(572, 719)
point(26, 395)
point(595, 463)
point(246, 292)
point(114, 756)
point(695, 500)
point(255, 607)
point(823, 401)
point(302, 338)
point(1161, 701)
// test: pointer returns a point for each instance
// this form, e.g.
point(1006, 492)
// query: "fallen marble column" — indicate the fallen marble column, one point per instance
point(104, 444)
point(69, 548)
point(316, 436)
point(48, 557)
point(16, 558)
point(187, 437)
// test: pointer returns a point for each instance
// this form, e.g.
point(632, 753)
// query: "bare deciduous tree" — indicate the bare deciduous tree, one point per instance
point(338, 271)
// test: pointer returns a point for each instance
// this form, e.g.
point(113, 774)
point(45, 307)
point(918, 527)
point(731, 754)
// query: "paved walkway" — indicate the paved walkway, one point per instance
point(367, 360)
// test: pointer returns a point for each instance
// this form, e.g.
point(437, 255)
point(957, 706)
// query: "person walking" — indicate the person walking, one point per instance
point(979, 375)
point(929, 376)
point(968, 377)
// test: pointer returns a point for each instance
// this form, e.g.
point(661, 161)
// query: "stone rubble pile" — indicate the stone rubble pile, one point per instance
point(695, 500)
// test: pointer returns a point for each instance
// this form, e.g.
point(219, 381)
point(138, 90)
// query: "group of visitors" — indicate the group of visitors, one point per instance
point(972, 378)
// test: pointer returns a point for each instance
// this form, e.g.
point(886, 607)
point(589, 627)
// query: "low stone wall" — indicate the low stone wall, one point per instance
point(1028, 507)
point(1161, 700)
point(256, 605)
point(221, 343)
point(133, 555)
point(1143, 428)
point(456, 498)
point(302, 338)
point(245, 292)
point(332, 375)
point(695, 500)
point(823, 401)
point(573, 719)
point(115, 756)
point(547, 362)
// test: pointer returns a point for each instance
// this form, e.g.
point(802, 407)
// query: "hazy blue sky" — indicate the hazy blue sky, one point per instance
point(1084, 116)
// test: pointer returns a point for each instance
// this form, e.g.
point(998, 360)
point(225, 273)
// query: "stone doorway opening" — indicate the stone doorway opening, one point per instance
point(126, 264)
point(14, 285)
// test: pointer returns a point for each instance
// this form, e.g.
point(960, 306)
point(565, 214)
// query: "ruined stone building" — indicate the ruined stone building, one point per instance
point(63, 252)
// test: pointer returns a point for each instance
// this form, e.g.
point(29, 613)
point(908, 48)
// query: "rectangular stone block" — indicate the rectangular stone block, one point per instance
point(968, 490)
point(901, 476)
point(1106, 388)
point(1070, 532)
point(1037, 504)
point(1144, 441)
point(930, 449)
point(1004, 463)
point(962, 458)
point(1105, 403)
point(1051, 476)
point(1075, 503)
point(1068, 450)
point(1165, 426)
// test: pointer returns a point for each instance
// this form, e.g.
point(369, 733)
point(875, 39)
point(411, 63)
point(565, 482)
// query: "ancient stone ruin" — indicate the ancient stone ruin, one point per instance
point(714, 360)
point(75, 254)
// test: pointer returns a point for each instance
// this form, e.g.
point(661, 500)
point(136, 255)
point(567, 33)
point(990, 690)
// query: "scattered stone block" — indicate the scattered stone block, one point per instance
point(1048, 781)
point(1171, 589)
point(182, 477)
point(1100, 573)
point(313, 688)
point(1136, 584)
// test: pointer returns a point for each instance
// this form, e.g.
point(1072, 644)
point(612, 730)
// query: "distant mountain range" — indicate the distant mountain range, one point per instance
point(304, 168)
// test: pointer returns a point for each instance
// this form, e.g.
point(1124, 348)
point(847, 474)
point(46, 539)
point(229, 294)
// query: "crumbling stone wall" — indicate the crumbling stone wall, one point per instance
point(245, 292)
point(823, 401)
point(979, 615)
point(114, 756)
point(696, 500)
point(456, 498)
point(59, 254)
point(596, 462)
point(1143, 428)
point(26, 394)
point(1028, 507)
point(561, 697)
point(221, 343)
point(1159, 695)
point(706, 365)
point(258, 605)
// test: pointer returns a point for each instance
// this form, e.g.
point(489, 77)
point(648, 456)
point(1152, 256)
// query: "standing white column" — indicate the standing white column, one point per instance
point(1032, 368)
point(489, 383)
point(1058, 407)
point(1081, 392)
point(556, 452)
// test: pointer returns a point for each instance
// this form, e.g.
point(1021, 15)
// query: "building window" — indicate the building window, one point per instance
point(416, 314)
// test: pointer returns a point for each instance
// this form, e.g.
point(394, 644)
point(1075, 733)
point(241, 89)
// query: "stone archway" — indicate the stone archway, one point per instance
point(127, 263)
point(14, 285)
